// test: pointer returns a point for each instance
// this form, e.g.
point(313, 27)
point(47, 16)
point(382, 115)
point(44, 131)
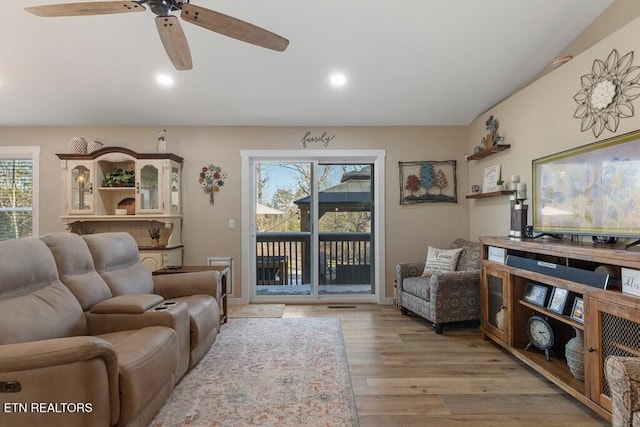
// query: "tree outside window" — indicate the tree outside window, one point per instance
point(18, 217)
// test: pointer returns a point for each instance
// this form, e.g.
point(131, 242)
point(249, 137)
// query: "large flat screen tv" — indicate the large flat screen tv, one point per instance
point(590, 190)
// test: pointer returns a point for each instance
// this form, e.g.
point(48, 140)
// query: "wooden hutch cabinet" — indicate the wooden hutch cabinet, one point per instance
point(118, 189)
point(611, 319)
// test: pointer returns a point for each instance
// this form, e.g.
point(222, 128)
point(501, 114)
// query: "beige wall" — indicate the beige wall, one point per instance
point(538, 121)
point(620, 13)
point(409, 229)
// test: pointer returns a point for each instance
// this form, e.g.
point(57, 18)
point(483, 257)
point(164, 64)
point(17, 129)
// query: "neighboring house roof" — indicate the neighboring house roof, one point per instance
point(267, 210)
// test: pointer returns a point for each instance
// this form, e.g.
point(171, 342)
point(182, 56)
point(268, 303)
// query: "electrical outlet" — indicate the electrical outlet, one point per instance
point(232, 223)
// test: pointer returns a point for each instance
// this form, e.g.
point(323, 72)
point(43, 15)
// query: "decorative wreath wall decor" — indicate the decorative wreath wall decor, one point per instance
point(211, 179)
point(607, 93)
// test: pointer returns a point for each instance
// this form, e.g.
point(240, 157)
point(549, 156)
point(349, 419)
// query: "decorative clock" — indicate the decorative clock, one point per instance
point(604, 239)
point(607, 93)
point(540, 335)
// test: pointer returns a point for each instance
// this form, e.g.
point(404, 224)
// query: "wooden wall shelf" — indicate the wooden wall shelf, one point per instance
point(491, 194)
point(488, 152)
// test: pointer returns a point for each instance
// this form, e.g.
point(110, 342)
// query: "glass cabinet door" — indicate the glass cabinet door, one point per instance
point(495, 313)
point(147, 188)
point(610, 330)
point(174, 193)
point(80, 188)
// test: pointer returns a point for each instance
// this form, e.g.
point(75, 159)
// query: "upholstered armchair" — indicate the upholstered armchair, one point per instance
point(442, 297)
point(623, 377)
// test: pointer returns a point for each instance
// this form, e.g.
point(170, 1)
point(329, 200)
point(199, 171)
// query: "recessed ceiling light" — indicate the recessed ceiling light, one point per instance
point(164, 80)
point(338, 80)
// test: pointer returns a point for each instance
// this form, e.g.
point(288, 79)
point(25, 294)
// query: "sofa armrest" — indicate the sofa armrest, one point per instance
point(464, 287)
point(623, 376)
point(127, 304)
point(53, 352)
point(408, 269)
point(185, 284)
point(43, 369)
point(173, 314)
point(444, 285)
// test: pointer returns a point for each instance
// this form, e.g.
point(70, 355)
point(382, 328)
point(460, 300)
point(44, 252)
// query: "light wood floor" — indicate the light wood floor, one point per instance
point(404, 374)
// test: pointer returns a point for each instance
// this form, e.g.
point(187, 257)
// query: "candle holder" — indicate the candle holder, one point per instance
point(519, 210)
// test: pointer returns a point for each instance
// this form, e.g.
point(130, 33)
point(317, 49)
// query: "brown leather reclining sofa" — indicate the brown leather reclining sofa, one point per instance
point(88, 337)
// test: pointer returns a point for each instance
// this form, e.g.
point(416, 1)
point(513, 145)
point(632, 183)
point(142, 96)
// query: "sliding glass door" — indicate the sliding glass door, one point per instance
point(344, 224)
point(284, 248)
point(313, 224)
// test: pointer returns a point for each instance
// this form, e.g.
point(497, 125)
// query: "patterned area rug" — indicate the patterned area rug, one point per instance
point(255, 310)
point(268, 372)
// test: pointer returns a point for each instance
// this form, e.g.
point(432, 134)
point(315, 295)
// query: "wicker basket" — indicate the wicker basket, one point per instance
point(93, 146)
point(129, 204)
point(77, 145)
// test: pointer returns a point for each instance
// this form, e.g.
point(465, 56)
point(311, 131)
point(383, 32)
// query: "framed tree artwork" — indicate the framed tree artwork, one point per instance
point(428, 181)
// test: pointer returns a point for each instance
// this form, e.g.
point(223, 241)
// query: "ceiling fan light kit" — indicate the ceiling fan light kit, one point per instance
point(168, 26)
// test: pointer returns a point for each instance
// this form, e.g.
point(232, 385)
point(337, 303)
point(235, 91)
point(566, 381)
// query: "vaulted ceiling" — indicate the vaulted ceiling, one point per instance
point(408, 62)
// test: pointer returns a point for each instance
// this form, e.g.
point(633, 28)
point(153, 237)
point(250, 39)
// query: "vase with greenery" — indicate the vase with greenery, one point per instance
point(154, 233)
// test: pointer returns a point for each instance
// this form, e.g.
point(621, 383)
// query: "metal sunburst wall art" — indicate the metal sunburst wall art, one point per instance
point(607, 93)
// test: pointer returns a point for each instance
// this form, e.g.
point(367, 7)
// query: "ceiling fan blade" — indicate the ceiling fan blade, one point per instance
point(85, 8)
point(232, 27)
point(174, 41)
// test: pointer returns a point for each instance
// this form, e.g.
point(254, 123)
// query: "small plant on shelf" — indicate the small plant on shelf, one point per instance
point(492, 138)
point(154, 233)
point(119, 178)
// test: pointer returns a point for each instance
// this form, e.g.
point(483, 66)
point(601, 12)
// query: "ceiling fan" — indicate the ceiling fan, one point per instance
point(169, 28)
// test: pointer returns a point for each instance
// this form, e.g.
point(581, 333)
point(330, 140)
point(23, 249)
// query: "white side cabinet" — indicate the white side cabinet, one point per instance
point(118, 189)
point(156, 259)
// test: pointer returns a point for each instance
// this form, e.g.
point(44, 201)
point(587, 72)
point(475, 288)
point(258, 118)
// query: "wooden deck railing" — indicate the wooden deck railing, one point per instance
point(284, 258)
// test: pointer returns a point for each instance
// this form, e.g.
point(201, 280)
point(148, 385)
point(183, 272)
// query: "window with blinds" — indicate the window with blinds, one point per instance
point(18, 204)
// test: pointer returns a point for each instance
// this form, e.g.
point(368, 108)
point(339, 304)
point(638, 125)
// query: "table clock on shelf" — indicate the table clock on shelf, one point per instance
point(540, 335)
